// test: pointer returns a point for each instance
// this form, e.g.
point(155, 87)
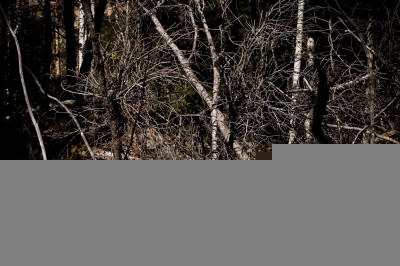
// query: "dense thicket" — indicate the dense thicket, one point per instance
point(193, 79)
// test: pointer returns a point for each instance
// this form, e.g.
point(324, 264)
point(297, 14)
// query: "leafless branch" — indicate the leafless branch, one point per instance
point(363, 129)
point(21, 74)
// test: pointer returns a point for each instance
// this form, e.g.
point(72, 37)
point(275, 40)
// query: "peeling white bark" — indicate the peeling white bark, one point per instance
point(81, 35)
point(297, 69)
point(216, 82)
point(310, 64)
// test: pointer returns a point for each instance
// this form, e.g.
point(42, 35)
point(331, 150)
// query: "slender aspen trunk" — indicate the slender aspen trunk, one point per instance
point(372, 84)
point(296, 70)
point(82, 34)
point(82, 31)
point(310, 65)
point(216, 82)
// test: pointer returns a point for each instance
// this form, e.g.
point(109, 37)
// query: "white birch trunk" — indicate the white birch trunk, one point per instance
point(216, 82)
point(310, 64)
point(297, 69)
point(82, 31)
point(57, 61)
point(93, 6)
point(81, 35)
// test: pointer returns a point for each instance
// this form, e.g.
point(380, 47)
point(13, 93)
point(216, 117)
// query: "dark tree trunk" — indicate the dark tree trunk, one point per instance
point(254, 10)
point(113, 112)
point(319, 108)
point(69, 18)
point(98, 23)
point(48, 41)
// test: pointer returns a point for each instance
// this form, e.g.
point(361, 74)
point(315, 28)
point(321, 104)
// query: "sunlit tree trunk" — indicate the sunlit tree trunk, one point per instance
point(69, 19)
point(216, 82)
point(296, 70)
point(310, 65)
point(48, 41)
point(82, 34)
point(98, 18)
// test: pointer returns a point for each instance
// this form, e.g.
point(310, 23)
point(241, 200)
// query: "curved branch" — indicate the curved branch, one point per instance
point(21, 74)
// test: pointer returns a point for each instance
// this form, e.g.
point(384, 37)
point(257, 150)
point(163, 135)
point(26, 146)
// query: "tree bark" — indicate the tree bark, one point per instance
point(296, 70)
point(319, 108)
point(216, 82)
point(310, 65)
point(372, 84)
point(81, 34)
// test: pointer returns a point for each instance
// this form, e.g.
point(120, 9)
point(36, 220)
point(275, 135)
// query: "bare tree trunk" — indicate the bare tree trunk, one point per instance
point(296, 70)
point(82, 34)
point(57, 60)
point(319, 108)
point(113, 112)
point(69, 18)
point(310, 65)
point(98, 18)
point(216, 82)
point(372, 84)
point(21, 74)
point(48, 40)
